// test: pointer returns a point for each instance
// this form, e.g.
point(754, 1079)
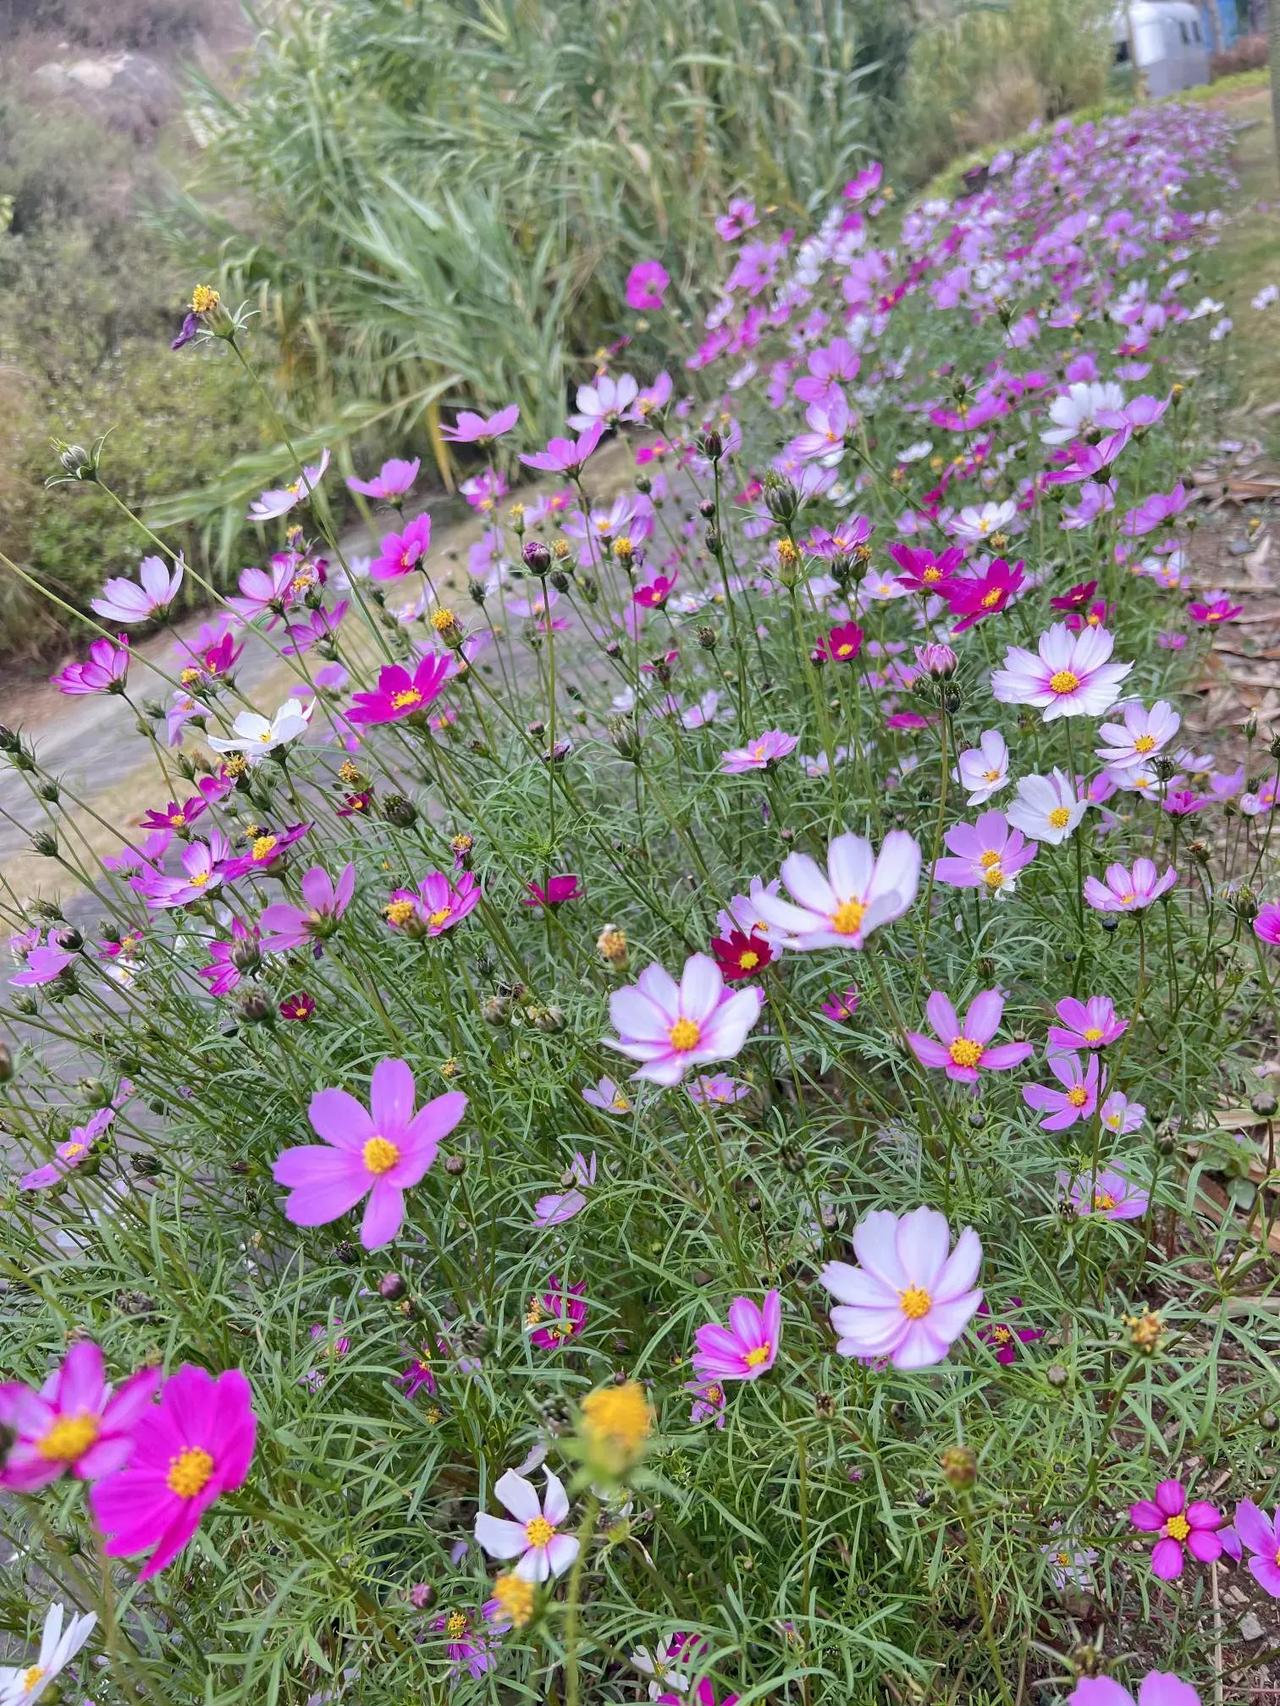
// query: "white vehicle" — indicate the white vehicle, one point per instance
point(1165, 39)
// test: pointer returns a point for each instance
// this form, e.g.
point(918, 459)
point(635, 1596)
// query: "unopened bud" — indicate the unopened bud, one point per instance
point(959, 1466)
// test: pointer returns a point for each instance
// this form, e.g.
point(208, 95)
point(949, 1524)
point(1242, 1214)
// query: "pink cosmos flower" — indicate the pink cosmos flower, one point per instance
point(103, 671)
point(285, 926)
point(557, 892)
point(71, 1153)
point(1128, 891)
point(281, 499)
point(1154, 511)
point(911, 1296)
point(670, 1027)
point(859, 891)
point(1070, 677)
point(559, 1206)
point(400, 553)
point(152, 593)
point(718, 1088)
point(607, 1097)
point(76, 1422)
point(646, 284)
point(1260, 1535)
point(1086, 1024)
point(471, 428)
point(202, 872)
point(1110, 1192)
point(763, 753)
point(708, 1402)
point(380, 1153)
point(841, 645)
point(1158, 1688)
point(746, 1348)
point(984, 769)
point(566, 455)
point(400, 694)
point(175, 815)
point(1136, 740)
point(297, 1008)
point(988, 854)
point(467, 1648)
point(558, 1314)
point(1048, 808)
point(194, 1445)
point(1217, 610)
point(1002, 1338)
point(1182, 1528)
point(1082, 1084)
point(841, 1007)
point(963, 1050)
point(1266, 926)
point(42, 965)
point(435, 905)
point(533, 1538)
point(975, 597)
point(739, 219)
point(393, 480)
point(654, 595)
point(1121, 1115)
point(922, 570)
point(265, 851)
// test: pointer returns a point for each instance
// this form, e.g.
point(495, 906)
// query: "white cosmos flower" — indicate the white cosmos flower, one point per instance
point(660, 1666)
point(255, 735)
point(1076, 411)
point(20, 1684)
point(1048, 808)
point(984, 769)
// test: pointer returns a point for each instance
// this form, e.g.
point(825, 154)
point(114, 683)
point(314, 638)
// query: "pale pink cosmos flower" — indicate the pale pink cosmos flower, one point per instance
point(103, 671)
point(1071, 676)
point(378, 1152)
point(718, 1088)
point(1121, 1115)
point(746, 1348)
point(976, 524)
point(1128, 890)
point(607, 1096)
point(1082, 1084)
point(762, 753)
point(911, 1296)
point(839, 908)
point(1141, 734)
point(988, 854)
point(984, 769)
point(1086, 1024)
point(1261, 1537)
point(559, 1206)
point(1109, 1192)
point(471, 428)
point(565, 455)
point(393, 480)
point(533, 1538)
point(285, 926)
point(1158, 1688)
point(1048, 808)
point(151, 594)
point(280, 500)
point(963, 1049)
point(670, 1027)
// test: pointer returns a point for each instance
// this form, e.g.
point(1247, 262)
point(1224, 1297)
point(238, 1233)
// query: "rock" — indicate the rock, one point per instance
point(1251, 1628)
point(128, 90)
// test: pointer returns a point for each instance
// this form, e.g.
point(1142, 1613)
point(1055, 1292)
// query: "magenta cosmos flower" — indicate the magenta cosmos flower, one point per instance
point(471, 428)
point(1082, 1085)
point(435, 906)
point(153, 592)
point(746, 1348)
point(399, 694)
point(1182, 1528)
point(1157, 1688)
point(103, 671)
point(75, 1422)
point(988, 854)
point(533, 1538)
point(1001, 1337)
point(669, 1027)
point(1071, 676)
point(911, 1296)
point(1260, 1535)
point(557, 1314)
point(1266, 926)
point(703, 1694)
point(379, 1152)
point(400, 553)
point(392, 481)
point(42, 965)
point(194, 1445)
point(1086, 1024)
point(285, 926)
point(646, 284)
point(763, 753)
point(962, 1050)
point(859, 891)
point(557, 892)
point(1128, 891)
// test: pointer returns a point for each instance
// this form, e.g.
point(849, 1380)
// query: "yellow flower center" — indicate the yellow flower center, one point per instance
point(406, 696)
point(965, 1052)
point(72, 1151)
point(1001, 1335)
point(620, 1104)
point(684, 1035)
point(443, 621)
point(989, 860)
point(759, 1354)
point(515, 1598)
point(1177, 1527)
point(749, 960)
point(178, 820)
point(992, 598)
point(1063, 1558)
point(263, 845)
point(189, 1472)
point(1093, 1034)
point(539, 1532)
point(1063, 681)
point(931, 575)
point(456, 1625)
point(1060, 817)
point(439, 915)
point(714, 1394)
point(1128, 899)
point(847, 918)
point(844, 649)
point(915, 1302)
point(758, 751)
point(1144, 743)
point(31, 1676)
point(990, 776)
point(398, 911)
point(993, 877)
point(204, 299)
point(1077, 1095)
point(379, 1154)
point(1103, 1200)
point(69, 1437)
point(534, 1312)
point(200, 879)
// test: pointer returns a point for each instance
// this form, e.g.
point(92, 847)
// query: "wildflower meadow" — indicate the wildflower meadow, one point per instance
point(635, 1124)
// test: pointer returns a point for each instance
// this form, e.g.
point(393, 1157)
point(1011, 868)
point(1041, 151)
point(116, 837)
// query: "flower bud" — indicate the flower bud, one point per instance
point(255, 1008)
point(245, 955)
point(536, 557)
point(422, 1596)
point(399, 811)
point(707, 637)
point(936, 659)
point(391, 1287)
point(959, 1467)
